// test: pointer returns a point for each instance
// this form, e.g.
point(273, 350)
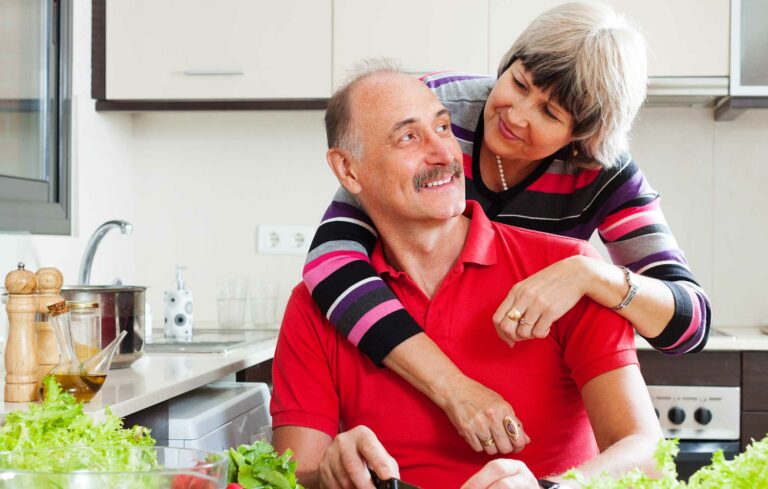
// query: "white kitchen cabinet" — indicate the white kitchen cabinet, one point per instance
point(423, 36)
point(687, 38)
point(223, 50)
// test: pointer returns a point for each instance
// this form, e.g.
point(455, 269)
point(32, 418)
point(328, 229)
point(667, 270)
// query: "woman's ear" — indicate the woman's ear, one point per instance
point(341, 164)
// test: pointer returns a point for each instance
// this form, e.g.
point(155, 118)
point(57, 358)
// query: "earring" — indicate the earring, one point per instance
point(575, 152)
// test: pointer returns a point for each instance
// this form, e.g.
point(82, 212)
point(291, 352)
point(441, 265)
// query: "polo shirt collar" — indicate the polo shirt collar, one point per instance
point(479, 248)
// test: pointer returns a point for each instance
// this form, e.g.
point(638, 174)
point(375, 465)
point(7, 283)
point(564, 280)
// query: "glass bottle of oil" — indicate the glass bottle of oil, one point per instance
point(84, 380)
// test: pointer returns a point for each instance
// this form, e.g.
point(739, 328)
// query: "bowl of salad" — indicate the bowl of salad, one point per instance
point(119, 467)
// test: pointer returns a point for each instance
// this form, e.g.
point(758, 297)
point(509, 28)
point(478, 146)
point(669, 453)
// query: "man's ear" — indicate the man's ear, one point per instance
point(341, 164)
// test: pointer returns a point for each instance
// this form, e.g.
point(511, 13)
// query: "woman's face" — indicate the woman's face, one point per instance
point(521, 121)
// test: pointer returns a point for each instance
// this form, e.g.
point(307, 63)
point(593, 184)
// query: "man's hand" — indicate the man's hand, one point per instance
point(502, 474)
point(483, 418)
point(348, 458)
point(541, 299)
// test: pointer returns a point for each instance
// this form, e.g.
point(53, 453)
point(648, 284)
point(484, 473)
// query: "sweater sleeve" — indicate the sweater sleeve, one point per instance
point(347, 289)
point(637, 236)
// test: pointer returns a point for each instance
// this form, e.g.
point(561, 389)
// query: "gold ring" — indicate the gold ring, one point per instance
point(487, 443)
point(514, 314)
point(512, 428)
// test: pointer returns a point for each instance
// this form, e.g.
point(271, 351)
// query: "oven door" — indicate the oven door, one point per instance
point(695, 454)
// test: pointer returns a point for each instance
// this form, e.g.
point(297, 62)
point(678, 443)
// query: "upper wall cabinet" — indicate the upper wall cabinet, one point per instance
point(205, 50)
point(687, 38)
point(423, 36)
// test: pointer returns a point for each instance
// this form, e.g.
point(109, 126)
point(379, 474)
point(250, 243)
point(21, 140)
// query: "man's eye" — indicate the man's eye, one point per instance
point(443, 127)
point(408, 137)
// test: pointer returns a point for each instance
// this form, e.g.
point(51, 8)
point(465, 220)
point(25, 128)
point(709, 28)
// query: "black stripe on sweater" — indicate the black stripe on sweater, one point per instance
point(344, 230)
point(387, 333)
point(329, 289)
point(680, 321)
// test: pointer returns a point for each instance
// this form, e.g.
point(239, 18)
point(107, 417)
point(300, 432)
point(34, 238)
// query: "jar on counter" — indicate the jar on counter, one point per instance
point(86, 328)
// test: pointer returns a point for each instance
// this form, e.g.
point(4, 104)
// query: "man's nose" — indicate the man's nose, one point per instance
point(439, 148)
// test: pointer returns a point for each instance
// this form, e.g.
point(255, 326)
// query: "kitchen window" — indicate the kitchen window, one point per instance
point(35, 99)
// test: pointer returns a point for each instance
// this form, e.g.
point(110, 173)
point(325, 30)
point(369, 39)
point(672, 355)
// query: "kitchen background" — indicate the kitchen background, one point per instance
point(195, 185)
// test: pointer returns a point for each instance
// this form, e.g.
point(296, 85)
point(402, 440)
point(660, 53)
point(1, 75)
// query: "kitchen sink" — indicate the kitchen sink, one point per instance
point(208, 340)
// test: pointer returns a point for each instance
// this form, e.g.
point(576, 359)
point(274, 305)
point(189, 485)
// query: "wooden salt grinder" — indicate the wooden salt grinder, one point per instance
point(49, 281)
point(21, 347)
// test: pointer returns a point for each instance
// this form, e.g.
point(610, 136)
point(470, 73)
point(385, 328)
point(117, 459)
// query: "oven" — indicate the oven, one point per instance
point(704, 418)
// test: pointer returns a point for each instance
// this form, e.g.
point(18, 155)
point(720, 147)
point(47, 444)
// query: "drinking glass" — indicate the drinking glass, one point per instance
point(264, 303)
point(231, 302)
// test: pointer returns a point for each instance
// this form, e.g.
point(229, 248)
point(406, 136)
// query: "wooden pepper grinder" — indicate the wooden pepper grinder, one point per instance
point(49, 281)
point(21, 347)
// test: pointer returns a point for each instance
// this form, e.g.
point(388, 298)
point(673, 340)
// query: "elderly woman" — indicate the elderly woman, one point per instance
point(545, 148)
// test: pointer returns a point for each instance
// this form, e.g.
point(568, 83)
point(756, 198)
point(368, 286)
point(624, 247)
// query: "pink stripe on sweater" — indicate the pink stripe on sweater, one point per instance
point(618, 216)
point(368, 320)
point(321, 267)
point(561, 183)
point(631, 225)
point(695, 320)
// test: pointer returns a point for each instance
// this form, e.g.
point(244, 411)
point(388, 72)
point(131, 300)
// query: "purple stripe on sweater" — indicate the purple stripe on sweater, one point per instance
point(353, 297)
point(342, 209)
point(629, 190)
point(434, 83)
point(666, 255)
point(463, 134)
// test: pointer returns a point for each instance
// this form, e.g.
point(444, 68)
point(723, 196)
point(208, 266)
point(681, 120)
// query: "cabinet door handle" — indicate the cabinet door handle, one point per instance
point(213, 72)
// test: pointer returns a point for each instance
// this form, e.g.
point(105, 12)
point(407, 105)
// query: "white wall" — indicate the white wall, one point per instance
point(196, 185)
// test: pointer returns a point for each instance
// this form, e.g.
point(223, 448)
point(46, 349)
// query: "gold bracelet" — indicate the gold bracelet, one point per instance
point(632, 290)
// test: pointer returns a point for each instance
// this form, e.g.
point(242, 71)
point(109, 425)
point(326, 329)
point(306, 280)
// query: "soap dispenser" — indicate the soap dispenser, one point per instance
point(178, 310)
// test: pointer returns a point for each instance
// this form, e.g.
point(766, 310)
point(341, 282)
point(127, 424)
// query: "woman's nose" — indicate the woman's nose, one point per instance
point(518, 114)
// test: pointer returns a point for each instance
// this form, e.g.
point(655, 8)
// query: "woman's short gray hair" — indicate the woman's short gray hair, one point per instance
point(592, 61)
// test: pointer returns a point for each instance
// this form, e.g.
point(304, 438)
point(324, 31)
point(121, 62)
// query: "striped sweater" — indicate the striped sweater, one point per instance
point(557, 198)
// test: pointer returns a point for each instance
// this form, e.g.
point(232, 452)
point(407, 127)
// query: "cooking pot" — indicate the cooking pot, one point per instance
point(122, 309)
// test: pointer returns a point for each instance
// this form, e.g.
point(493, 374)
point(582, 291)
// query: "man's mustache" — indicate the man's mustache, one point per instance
point(453, 169)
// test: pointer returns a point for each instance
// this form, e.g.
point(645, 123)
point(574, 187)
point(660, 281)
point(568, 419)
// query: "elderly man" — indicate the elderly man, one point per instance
point(579, 390)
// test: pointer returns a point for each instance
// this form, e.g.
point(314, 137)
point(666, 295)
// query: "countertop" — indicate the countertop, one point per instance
point(744, 338)
point(157, 377)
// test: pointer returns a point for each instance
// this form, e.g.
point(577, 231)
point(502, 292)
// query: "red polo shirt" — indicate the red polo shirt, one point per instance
point(321, 381)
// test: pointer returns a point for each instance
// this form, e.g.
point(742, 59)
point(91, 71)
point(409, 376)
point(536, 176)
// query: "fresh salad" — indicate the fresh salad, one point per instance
point(258, 466)
point(59, 422)
point(747, 470)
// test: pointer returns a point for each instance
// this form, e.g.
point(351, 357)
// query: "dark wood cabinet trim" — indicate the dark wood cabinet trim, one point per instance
point(99, 49)
point(753, 426)
point(754, 391)
point(250, 104)
point(707, 368)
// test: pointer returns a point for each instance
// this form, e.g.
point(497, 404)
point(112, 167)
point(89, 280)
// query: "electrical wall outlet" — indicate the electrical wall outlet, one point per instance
point(274, 239)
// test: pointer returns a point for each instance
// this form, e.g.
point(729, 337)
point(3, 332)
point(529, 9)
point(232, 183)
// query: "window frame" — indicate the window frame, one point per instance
point(43, 206)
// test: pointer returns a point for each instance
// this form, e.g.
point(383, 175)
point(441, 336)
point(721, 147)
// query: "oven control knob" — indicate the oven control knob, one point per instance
point(702, 415)
point(676, 415)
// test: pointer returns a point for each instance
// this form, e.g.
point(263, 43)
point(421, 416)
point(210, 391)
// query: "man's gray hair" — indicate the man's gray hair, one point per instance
point(339, 128)
point(591, 61)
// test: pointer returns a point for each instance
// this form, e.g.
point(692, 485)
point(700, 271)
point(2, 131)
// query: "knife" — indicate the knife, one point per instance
point(392, 483)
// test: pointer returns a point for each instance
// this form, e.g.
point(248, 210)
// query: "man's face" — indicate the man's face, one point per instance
point(411, 164)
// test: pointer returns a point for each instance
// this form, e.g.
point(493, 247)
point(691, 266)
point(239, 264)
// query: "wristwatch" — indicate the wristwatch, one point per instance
point(547, 484)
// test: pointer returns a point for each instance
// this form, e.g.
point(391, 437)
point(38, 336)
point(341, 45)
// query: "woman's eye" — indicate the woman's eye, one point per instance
point(408, 137)
point(443, 128)
point(549, 113)
point(518, 83)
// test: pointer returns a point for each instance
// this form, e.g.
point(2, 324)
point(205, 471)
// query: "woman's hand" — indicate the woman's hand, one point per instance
point(542, 299)
point(346, 462)
point(483, 418)
point(502, 474)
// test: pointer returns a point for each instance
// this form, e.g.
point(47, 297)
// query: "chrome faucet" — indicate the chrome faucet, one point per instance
point(90, 250)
